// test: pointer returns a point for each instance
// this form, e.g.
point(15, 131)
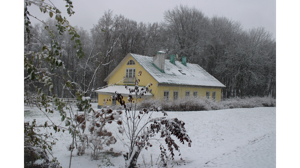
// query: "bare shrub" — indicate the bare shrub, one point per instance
point(140, 128)
point(99, 136)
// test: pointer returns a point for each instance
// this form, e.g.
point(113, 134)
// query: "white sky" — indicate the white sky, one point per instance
point(250, 13)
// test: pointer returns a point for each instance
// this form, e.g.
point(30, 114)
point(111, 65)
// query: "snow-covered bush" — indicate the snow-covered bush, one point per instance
point(200, 104)
point(249, 102)
point(186, 104)
point(149, 103)
point(139, 127)
point(37, 146)
point(99, 136)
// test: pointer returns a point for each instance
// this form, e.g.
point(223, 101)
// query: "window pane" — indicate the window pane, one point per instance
point(130, 73)
point(207, 95)
point(195, 94)
point(175, 95)
point(133, 75)
point(166, 95)
point(187, 94)
point(130, 62)
point(214, 95)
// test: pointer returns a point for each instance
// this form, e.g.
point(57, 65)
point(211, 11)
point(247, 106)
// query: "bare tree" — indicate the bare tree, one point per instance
point(188, 29)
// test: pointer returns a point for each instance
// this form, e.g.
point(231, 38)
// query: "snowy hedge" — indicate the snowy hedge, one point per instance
point(198, 104)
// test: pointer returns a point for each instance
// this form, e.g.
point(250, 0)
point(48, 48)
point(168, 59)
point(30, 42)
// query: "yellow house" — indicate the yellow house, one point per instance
point(170, 79)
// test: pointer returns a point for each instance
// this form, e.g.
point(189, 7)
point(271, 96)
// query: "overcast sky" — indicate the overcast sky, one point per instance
point(250, 13)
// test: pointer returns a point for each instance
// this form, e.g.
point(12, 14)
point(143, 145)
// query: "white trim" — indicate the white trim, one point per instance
point(167, 91)
point(208, 95)
point(129, 61)
point(214, 98)
point(187, 92)
point(177, 95)
point(194, 95)
point(128, 73)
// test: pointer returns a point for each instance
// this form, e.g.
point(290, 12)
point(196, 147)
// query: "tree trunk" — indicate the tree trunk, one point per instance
point(133, 161)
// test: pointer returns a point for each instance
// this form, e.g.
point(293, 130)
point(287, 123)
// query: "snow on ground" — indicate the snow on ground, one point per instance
point(221, 138)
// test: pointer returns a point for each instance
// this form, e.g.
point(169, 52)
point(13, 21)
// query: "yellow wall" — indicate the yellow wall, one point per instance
point(182, 89)
point(145, 78)
point(117, 77)
point(157, 91)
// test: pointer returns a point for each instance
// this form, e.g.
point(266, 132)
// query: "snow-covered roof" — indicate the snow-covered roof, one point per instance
point(178, 74)
point(110, 90)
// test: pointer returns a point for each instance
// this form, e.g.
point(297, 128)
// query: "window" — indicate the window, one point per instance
point(130, 73)
point(166, 95)
point(213, 95)
point(129, 76)
point(195, 94)
point(175, 95)
point(130, 62)
point(207, 95)
point(187, 94)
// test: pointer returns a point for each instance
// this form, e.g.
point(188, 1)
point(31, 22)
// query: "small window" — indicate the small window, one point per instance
point(187, 94)
point(207, 95)
point(175, 95)
point(195, 94)
point(213, 96)
point(166, 95)
point(130, 62)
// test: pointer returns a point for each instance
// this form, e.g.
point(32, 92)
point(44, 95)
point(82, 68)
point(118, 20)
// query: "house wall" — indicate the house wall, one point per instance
point(116, 78)
point(182, 89)
point(145, 78)
point(160, 93)
point(157, 91)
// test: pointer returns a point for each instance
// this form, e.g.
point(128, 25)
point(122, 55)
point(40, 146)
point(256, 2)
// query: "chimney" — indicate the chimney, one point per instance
point(184, 61)
point(159, 61)
point(172, 59)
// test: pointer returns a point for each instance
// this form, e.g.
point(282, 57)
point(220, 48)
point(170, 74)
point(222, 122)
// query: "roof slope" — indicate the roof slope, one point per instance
point(120, 89)
point(178, 74)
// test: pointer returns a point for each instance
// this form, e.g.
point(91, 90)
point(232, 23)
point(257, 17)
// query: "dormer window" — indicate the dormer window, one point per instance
point(130, 62)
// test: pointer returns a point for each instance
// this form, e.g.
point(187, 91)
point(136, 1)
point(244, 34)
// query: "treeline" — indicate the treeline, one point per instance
point(245, 61)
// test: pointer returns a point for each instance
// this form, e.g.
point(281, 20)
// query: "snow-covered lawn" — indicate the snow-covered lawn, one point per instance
point(228, 138)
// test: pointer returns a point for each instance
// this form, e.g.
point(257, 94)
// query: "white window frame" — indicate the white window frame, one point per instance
point(130, 62)
point(168, 95)
point(188, 94)
point(175, 98)
point(194, 94)
point(214, 95)
point(127, 73)
point(208, 97)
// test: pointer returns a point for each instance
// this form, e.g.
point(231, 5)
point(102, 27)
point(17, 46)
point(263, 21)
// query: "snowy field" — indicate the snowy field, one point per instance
point(230, 138)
